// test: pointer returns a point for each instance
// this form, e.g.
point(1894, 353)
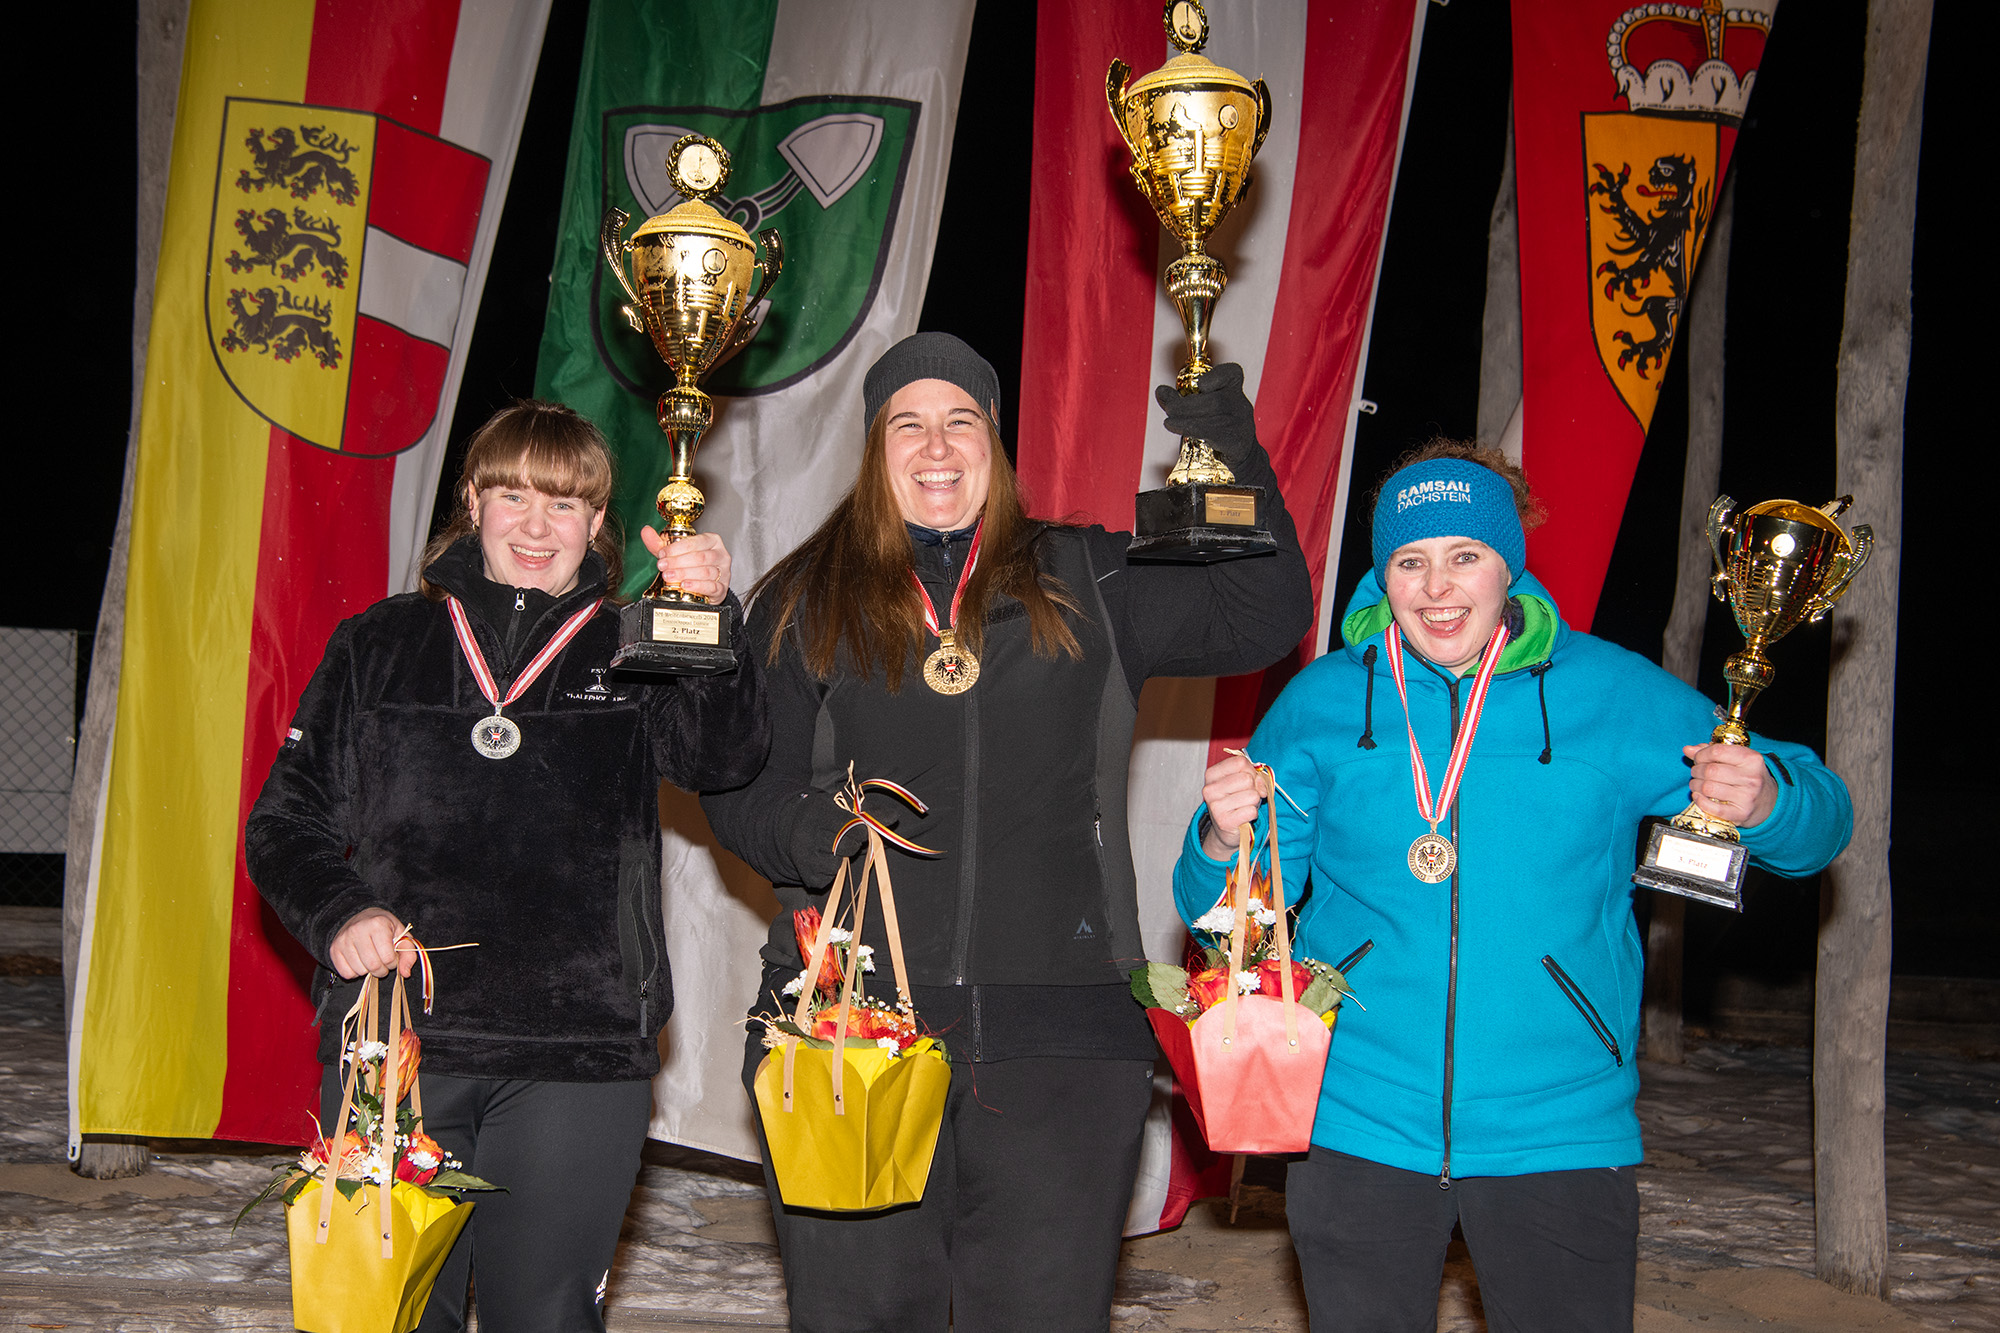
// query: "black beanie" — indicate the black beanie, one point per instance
point(929, 356)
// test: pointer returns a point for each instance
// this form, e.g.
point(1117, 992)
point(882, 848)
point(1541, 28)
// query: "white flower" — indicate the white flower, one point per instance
point(1261, 914)
point(796, 984)
point(867, 955)
point(370, 1051)
point(888, 1044)
point(840, 936)
point(1217, 920)
point(1247, 982)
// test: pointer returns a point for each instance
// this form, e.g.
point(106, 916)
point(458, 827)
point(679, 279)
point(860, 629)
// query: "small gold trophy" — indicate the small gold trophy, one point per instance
point(1778, 564)
point(1193, 128)
point(690, 290)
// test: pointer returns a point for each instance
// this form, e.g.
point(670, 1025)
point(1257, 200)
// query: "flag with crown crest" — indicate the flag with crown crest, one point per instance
point(1624, 119)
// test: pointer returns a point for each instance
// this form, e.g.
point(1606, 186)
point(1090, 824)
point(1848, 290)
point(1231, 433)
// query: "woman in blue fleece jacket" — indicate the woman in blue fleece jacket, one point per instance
point(1490, 1080)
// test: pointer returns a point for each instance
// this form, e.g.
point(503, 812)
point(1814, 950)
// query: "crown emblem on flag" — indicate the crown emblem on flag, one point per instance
point(1689, 59)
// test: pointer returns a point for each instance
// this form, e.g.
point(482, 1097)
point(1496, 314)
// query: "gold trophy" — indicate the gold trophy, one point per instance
point(690, 290)
point(1778, 564)
point(1193, 128)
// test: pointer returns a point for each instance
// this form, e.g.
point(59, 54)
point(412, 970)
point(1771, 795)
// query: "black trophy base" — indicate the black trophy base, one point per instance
point(658, 637)
point(1199, 523)
point(1693, 865)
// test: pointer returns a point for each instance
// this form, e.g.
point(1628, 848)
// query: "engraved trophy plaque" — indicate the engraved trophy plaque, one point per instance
point(1778, 564)
point(1193, 128)
point(690, 284)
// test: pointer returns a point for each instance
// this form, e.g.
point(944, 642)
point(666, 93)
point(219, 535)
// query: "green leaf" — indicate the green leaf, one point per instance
point(450, 1179)
point(349, 1188)
point(1321, 996)
point(1167, 984)
point(289, 1178)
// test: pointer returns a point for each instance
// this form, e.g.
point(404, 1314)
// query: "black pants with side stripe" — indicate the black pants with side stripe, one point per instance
point(1555, 1251)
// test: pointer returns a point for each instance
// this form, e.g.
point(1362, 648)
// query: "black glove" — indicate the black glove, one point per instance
point(1217, 412)
point(815, 822)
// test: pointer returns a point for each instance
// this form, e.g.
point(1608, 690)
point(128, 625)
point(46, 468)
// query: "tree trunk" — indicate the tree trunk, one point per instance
point(1500, 327)
point(162, 29)
point(1851, 1005)
point(1680, 648)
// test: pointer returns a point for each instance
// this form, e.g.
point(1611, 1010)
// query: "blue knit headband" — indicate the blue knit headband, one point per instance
point(1448, 497)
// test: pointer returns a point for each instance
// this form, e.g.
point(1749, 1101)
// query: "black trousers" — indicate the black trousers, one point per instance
point(1554, 1251)
point(1021, 1219)
point(568, 1154)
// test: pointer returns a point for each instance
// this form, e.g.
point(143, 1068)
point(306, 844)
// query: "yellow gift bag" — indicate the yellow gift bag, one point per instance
point(852, 1123)
point(346, 1285)
point(364, 1259)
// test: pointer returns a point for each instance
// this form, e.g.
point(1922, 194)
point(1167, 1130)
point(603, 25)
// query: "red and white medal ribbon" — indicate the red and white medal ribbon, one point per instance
point(1432, 856)
point(497, 736)
point(951, 669)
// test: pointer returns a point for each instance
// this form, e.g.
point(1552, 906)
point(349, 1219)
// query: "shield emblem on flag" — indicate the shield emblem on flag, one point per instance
point(827, 172)
point(338, 251)
point(1649, 187)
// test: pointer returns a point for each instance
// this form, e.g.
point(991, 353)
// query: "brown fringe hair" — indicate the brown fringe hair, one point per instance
point(1526, 506)
point(543, 446)
point(846, 590)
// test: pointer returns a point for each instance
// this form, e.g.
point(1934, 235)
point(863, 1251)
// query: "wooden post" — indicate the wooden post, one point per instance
point(1680, 646)
point(161, 32)
point(1500, 326)
point(1851, 1003)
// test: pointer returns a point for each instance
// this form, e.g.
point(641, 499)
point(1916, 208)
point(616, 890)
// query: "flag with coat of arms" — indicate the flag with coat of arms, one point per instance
point(337, 173)
point(1624, 120)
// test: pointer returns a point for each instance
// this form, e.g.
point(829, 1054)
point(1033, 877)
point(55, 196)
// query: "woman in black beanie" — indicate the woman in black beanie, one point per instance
point(931, 633)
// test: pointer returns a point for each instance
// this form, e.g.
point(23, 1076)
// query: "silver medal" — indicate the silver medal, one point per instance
point(496, 737)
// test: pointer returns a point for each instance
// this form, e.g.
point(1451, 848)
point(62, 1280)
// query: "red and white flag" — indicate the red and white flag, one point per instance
point(1304, 249)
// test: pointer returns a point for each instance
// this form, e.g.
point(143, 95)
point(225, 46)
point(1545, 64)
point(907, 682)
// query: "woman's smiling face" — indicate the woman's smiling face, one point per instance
point(940, 454)
point(1448, 594)
point(533, 540)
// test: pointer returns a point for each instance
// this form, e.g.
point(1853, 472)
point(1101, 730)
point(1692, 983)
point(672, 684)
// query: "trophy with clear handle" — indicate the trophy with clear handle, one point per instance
point(1779, 564)
point(691, 288)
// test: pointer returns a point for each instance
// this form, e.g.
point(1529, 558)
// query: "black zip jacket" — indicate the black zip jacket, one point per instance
point(1019, 935)
point(548, 859)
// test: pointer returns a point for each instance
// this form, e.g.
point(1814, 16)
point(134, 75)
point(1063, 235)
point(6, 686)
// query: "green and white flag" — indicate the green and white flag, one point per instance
point(838, 118)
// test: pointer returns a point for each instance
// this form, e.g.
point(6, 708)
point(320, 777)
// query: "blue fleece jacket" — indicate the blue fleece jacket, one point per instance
point(1472, 1057)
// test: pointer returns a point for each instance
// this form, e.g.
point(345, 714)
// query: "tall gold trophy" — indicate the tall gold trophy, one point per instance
point(1778, 564)
point(1193, 128)
point(690, 284)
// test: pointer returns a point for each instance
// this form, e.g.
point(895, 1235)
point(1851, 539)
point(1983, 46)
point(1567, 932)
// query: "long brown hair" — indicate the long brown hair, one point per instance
point(544, 446)
point(846, 590)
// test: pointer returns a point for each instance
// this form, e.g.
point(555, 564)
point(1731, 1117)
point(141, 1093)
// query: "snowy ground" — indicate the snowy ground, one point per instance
point(1726, 1194)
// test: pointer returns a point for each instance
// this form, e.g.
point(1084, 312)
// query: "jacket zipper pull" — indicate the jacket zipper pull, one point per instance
point(1444, 1177)
point(520, 599)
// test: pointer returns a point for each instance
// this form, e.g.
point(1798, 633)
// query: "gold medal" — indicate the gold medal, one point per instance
point(950, 669)
point(1433, 858)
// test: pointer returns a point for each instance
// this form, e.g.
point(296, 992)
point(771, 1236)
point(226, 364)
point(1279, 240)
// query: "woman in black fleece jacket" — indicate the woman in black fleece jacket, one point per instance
point(400, 797)
point(1017, 936)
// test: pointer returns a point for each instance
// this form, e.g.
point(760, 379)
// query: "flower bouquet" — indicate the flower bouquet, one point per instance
point(1247, 1033)
point(830, 1150)
point(369, 1264)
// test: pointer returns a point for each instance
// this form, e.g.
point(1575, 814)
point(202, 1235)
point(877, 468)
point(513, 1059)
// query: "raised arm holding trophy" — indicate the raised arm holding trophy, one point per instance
point(690, 290)
point(1193, 128)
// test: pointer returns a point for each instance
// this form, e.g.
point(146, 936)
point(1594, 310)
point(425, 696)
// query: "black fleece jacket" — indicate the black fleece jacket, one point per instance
point(548, 859)
point(1019, 934)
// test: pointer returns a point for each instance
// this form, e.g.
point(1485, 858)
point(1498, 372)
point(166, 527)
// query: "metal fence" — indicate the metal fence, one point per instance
point(41, 707)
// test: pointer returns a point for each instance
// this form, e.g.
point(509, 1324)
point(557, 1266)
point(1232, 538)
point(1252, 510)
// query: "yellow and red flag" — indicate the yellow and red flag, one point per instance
point(337, 175)
point(1624, 118)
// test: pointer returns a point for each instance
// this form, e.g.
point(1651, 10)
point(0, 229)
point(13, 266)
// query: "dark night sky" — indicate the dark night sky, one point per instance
point(1793, 167)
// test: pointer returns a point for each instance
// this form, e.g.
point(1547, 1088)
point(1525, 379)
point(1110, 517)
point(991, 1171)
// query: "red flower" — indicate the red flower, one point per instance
point(420, 1160)
point(805, 928)
point(353, 1150)
point(1272, 982)
point(866, 1023)
point(1209, 987)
